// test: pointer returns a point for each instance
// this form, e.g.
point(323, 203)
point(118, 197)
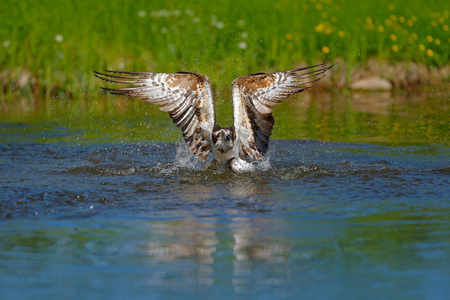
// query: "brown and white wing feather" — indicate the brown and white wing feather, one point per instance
point(187, 97)
point(253, 98)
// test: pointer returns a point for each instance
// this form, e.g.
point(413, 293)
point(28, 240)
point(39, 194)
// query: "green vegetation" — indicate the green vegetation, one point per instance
point(49, 48)
point(397, 120)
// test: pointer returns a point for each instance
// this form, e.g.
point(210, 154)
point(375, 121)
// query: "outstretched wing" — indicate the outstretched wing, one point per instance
point(253, 98)
point(187, 97)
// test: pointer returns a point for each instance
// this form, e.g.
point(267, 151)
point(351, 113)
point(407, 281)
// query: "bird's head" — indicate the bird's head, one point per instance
point(223, 138)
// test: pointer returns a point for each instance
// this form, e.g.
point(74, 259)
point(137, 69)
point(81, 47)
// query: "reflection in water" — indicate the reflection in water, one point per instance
point(365, 117)
point(380, 103)
point(354, 117)
point(90, 207)
point(252, 245)
point(184, 240)
point(391, 249)
point(380, 248)
point(202, 240)
point(204, 244)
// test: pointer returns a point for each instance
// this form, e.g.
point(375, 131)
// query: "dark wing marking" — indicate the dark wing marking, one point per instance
point(187, 97)
point(253, 97)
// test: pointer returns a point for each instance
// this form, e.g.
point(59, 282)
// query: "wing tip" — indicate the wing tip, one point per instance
point(113, 91)
point(315, 66)
point(133, 79)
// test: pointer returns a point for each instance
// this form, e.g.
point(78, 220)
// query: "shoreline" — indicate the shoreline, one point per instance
point(380, 75)
point(374, 75)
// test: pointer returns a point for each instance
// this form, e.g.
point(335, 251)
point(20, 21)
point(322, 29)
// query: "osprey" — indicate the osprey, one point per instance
point(188, 98)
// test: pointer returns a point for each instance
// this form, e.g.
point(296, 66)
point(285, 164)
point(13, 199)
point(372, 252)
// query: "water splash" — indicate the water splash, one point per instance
point(263, 164)
point(184, 159)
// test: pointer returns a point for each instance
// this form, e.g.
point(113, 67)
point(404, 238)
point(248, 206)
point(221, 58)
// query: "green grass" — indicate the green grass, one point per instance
point(59, 43)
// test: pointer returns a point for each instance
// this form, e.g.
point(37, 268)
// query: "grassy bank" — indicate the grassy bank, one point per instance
point(49, 48)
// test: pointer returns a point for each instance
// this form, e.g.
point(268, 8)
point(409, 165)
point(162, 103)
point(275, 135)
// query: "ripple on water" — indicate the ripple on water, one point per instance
point(53, 178)
point(311, 213)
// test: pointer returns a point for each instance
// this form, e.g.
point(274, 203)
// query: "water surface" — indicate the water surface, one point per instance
point(89, 208)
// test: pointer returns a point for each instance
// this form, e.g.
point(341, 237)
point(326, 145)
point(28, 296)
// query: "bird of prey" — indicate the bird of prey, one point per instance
point(188, 98)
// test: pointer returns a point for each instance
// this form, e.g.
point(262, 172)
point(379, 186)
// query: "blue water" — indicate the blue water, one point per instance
point(315, 221)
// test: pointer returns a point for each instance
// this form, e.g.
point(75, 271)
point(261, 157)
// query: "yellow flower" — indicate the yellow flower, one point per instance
point(410, 23)
point(324, 27)
point(441, 20)
point(434, 23)
point(395, 48)
point(319, 27)
point(318, 6)
point(414, 36)
point(393, 18)
point(380, 28)
point(430, 52)
point(324, 15)
point(288, 36)
point(445, 28)
point(333, 19)
point(429, 39)
point(401, 19)
point(437, 42)
point(435, 15)
point(341, 33)
point(393, 37)
point(410, 40)
point(391, 7)
point(422, 47)
point(325, 50)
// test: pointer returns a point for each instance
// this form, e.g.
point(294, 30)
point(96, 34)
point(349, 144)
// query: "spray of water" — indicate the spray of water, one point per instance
point(185, 160)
